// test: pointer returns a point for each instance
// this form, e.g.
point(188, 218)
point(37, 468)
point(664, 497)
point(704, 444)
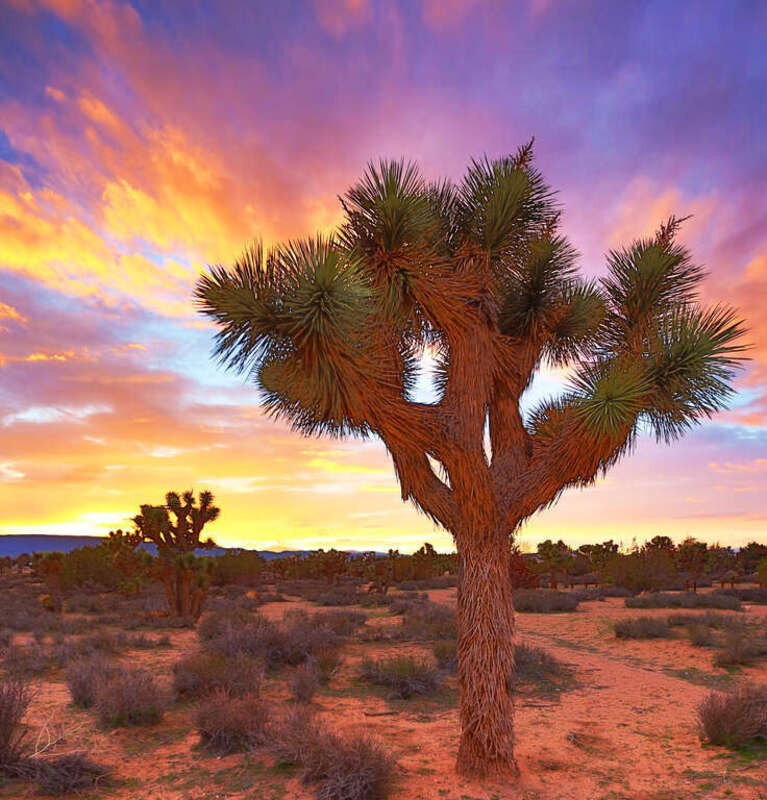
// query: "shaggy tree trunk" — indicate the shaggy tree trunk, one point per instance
point(486, 657)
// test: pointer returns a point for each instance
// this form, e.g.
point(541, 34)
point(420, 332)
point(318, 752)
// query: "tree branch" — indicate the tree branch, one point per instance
point(575, 456)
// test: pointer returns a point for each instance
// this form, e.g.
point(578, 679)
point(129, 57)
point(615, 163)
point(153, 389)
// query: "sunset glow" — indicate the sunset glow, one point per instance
point(141, 141)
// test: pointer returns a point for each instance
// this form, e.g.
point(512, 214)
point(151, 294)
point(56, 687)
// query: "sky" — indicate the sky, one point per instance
point(140, 142)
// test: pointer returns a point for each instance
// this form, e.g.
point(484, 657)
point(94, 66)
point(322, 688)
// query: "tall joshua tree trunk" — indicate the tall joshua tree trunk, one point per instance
point(332, 330)
point(486, 656)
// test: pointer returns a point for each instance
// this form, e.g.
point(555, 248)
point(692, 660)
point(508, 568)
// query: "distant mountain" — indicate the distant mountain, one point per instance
point(14, 545)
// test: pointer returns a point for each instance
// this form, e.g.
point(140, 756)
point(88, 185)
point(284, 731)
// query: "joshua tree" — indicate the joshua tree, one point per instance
point(332, 329)
point(555, 557)
point(185, 582)
point(691, 556)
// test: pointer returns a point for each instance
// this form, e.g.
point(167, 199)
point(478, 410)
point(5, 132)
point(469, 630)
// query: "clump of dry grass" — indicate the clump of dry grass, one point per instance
point(341, 766)
point(544, 601)
point(642, 628)
point(293, 642)
point(446, 654)
point(206, 671)
point(684, 600)
point(740, 648)
point(15, 697)
point(341, 622)
point(84, 675)
point(26, 660)
point(538, 670)
point(734, 719)
point(128, 697)
point(428, 621)
point(54, 775)
point(700, 635)
point(66, 774)
point(304, 682)
point(230, 724)
point(404, 676)
point(710, 619)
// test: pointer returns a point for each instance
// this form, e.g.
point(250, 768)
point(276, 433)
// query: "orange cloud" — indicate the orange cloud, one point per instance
point(756, 465)
point(11, 314)
point(645, 204)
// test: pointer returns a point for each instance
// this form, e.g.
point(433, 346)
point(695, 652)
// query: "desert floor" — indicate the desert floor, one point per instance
point(626, 728)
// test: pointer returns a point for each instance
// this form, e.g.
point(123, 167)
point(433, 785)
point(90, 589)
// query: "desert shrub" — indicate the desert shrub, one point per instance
point(446, 654)
point(404, 676)
point(400, 605)
point(544, 601)
point(215, 622)
point(339, 596)
point(206, 671)
point(253, 635)
point(440, 582)
point(327, 661)
point(26, 660)
point(709, 619)
point(304, 681)
point(600, 592)
point(341, 766)
point(88, 603)
point(428, 621)
point(230, 724)
point(538, 670)
point(308, 589)
point(129, 697)
point(700, 635)
point(65, 650)
point(66, 774)
point(757, 596)
point(23, 612)
point(103, 642)
point(83, 676)
point(271, 597)
point(684, 600)
point(343, 623)
point(642, 628)
point(734, 719)
point(141, 641)
point(289, 644)
point(15, 697)
point(739, 649)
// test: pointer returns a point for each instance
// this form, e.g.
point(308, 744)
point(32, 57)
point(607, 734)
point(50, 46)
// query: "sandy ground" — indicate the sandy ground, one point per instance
point(626, 730)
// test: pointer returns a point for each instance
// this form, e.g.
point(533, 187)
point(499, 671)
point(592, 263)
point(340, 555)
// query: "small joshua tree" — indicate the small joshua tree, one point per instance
point(477, 274)
point(176, 529)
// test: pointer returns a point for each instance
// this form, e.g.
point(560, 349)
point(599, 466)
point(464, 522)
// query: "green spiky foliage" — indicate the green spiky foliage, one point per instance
point(176, 530)
point(478, 272)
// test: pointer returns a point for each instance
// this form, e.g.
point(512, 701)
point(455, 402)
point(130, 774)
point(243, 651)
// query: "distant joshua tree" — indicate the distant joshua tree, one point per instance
point(177, 537)
point(475, 273)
